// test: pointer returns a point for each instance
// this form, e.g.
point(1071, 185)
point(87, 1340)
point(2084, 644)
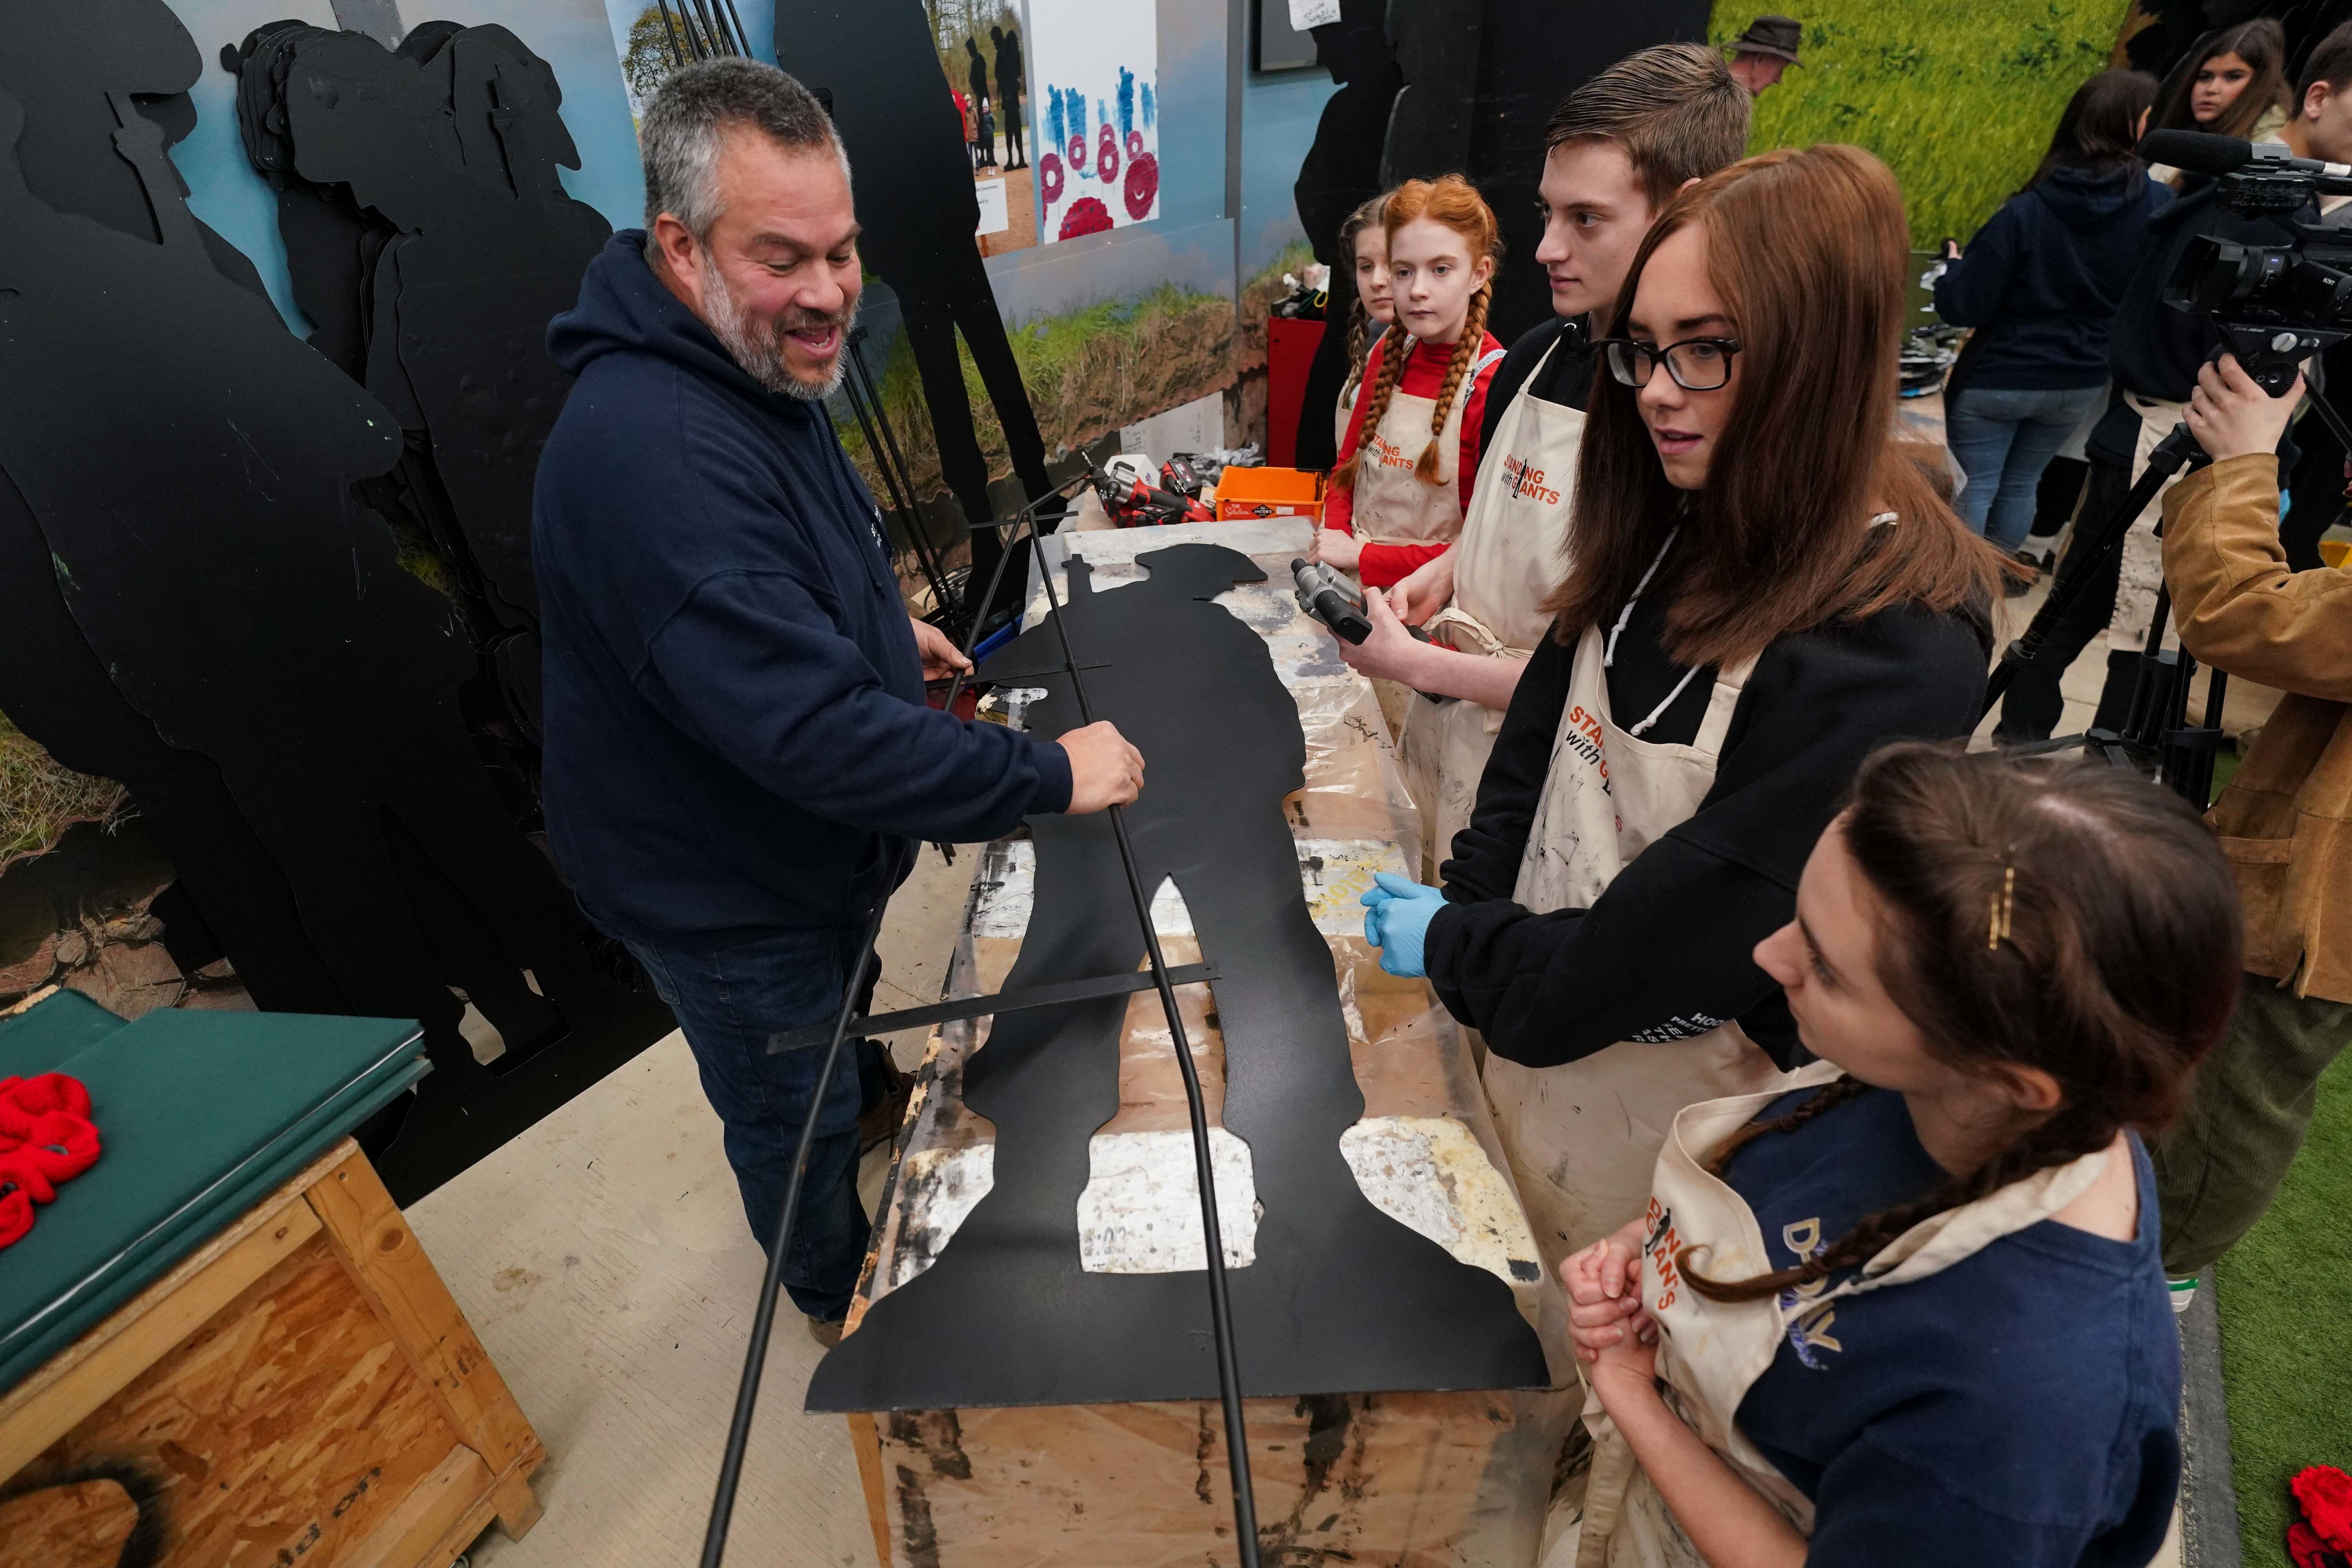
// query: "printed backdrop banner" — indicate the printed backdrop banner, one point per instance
point(1096, 64)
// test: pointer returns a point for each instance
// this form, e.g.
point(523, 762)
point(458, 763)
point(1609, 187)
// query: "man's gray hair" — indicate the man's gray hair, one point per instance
point(686, 124)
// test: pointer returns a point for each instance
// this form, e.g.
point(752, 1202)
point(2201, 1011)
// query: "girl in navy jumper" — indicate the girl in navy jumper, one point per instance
point(1910, 1309)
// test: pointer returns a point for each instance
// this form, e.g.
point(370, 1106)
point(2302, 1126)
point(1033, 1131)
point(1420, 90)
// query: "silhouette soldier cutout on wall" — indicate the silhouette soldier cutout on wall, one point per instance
point(1340, 1296)
point(191, 467)
point(921, 218)
point(420, 205)
point(1011, 83)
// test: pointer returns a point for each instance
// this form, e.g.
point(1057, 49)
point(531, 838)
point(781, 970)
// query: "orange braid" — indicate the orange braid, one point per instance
point(1465, 354)
point(1393, 346)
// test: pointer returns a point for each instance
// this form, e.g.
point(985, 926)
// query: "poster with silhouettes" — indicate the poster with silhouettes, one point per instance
point(981, 45)
point(1096, 67)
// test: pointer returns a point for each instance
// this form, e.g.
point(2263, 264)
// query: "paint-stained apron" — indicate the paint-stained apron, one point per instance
point(1582, 1138)
point(1511, 554)
point(1711, 1353)
point(1394, 506)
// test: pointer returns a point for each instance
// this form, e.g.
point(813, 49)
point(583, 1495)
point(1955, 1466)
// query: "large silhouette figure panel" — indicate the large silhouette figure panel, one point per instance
point(420, 207)
point(906, 146)
point(1342, 1298)
point(191, 469)
point(53, 688)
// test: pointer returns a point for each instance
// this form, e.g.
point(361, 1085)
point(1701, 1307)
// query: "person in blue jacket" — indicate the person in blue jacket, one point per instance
point(1910, 1304)
point(739, 760)
point(2040, 284)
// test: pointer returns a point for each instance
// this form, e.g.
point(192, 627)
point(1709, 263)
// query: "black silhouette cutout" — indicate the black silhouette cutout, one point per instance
point(1341, 172)
point(1342, 1298)
point(191, 469)
point(1011, 82)
point(431, 240)
point(875, 58)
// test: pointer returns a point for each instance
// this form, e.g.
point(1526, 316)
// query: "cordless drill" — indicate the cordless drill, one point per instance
point(1131, 499)
point(1330, 598)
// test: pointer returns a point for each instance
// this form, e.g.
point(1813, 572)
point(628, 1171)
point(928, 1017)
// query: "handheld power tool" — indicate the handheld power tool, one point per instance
point(1338, 604)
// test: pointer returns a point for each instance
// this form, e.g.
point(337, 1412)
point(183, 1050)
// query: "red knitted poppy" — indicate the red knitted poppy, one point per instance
point(2326, 1494)
point(45, 1137)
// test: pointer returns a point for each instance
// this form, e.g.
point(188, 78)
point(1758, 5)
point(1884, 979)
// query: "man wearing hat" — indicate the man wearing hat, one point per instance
point(1760, 55)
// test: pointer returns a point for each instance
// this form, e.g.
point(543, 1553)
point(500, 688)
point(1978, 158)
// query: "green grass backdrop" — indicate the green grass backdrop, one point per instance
point(1959, 97)
point(2286, 1293)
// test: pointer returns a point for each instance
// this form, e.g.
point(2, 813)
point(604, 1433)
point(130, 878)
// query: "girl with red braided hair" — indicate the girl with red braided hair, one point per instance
point(1911, 1307)
point(1410, 449)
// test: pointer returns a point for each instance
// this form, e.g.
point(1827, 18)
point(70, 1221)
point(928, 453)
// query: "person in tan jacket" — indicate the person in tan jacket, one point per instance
point(2281, 822)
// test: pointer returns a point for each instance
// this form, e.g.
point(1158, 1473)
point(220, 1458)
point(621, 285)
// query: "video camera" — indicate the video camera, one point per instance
point(2274, 306)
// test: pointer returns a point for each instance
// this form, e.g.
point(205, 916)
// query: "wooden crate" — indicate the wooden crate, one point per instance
point(303, 1389)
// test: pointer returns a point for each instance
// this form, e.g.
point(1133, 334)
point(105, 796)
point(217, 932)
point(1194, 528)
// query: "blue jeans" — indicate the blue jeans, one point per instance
point(2003, 437)
point(729, 998)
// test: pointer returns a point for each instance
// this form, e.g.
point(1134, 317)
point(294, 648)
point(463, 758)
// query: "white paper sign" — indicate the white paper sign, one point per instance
point(995, 212)
point(1306, 14)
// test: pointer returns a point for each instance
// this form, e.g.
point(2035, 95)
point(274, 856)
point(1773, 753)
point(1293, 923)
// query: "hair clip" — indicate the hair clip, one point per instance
point(2002, 907)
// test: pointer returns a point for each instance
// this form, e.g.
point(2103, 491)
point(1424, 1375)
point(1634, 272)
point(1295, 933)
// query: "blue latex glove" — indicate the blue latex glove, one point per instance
point(1398, 912)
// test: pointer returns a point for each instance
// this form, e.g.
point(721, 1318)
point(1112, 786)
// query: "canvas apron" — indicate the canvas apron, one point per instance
point(1710, 1353)
point(1582, 1138)
point(1392, 505)
point(1512, 552)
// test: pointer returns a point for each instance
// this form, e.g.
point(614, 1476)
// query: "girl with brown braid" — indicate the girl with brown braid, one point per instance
point(1410, 449)
point(1914, 1310)
point(1364, 241)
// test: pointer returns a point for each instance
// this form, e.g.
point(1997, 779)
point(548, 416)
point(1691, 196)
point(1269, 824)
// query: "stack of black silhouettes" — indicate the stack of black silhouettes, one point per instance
point(430, 241)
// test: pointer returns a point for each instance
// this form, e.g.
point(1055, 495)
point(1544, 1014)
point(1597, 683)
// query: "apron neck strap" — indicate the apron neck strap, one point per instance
point(1609, 649)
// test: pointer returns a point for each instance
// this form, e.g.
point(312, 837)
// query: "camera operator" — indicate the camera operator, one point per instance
point(2241, 608)
point(2155, 358)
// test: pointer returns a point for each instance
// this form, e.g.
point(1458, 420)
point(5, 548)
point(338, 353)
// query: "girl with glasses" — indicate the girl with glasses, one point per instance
point(1912, 1308)
point(1765, 586)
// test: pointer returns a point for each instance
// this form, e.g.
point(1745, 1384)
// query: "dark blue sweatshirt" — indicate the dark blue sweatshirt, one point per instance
point(2041, 279)
point(736, 733)
point(2018, 1407)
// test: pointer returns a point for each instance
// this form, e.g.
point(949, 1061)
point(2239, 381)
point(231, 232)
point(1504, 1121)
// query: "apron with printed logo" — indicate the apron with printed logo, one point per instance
point(1512, 552)
point(1582, 1137)
point(1711, 1353)
point(1394, 506)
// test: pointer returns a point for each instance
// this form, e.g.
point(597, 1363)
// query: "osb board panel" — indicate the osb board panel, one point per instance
point(1414, 1480)
point(287, 1428)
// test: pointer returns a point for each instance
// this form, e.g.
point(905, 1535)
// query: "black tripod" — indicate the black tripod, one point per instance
point(2155, 736)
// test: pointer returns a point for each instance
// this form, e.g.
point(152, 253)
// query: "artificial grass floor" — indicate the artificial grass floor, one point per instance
point(2284, 1294)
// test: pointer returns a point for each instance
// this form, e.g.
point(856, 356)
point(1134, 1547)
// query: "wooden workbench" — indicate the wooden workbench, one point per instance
point(1427, 1480)
point(300, 1389)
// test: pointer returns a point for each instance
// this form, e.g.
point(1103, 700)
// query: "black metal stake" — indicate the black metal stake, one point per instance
point(764, 1323)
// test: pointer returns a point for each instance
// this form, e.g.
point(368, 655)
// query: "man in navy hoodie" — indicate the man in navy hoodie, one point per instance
point(739, 761)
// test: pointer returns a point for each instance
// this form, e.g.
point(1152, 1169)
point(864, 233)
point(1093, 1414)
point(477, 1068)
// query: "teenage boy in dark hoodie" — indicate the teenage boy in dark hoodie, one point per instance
point(739, 760)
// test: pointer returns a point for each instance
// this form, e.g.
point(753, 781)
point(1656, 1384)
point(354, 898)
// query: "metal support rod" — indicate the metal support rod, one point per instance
point(1221, 1317)
point(763, 1322)
point(677, 50)
point(924, 555)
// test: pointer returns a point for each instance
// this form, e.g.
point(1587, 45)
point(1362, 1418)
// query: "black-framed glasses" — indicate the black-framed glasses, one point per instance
point(1698, 365)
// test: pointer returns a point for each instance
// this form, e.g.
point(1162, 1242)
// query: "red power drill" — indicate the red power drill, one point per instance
point(1131, 497)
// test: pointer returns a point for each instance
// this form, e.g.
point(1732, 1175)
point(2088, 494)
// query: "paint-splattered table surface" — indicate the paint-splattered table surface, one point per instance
point(1424, 1152)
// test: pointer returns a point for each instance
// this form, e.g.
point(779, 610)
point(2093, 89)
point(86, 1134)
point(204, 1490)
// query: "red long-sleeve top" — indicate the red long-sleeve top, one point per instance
point(1423, 376)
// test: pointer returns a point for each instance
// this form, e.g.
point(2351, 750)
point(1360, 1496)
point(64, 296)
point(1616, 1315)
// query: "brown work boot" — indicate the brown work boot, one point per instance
point(828, 1335)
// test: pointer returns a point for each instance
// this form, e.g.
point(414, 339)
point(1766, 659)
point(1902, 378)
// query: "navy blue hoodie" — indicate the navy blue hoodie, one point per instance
point(736, 735)
point(2041, 279)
